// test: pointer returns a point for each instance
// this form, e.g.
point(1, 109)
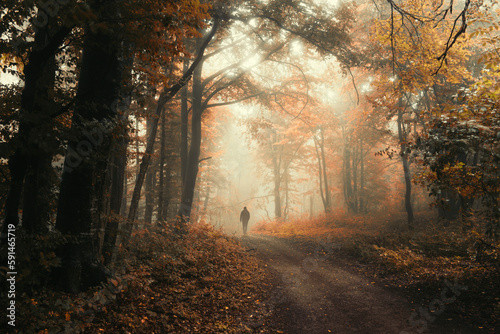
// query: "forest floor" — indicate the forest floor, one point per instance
point(346, 275)
point(317, 292)
point(202, 281)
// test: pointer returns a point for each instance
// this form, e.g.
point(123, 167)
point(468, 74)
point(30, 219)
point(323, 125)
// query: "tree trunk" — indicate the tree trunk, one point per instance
point(362, 198)
point(191, 171)
point(150, 184)
point(150, 196)
point(123, 208)
point(320, 174)
point(347, 178)
point(355, 204)
point(311, 207)
point(17, 167)
point(161, 165)
point(118, 183)
point(406, 165)
point(167, 194)
point(38, 193)
point(325, 177)
point(184, 126)
point(207, 199)
point(408, 206)
point(86, 159)
point(143, 168)
point(277, 177)
point(277, 195)
point(137, 149)
point(101, 205)
point(449, 205)
point(285, 210)
point(35, 120)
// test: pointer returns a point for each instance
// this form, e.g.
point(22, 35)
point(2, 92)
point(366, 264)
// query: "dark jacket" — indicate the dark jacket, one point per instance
point(244, 216)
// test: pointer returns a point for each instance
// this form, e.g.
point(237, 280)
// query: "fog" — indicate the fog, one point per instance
point(248, 178)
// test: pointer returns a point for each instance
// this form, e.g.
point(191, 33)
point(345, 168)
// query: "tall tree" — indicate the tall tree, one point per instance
point(415, 71)
point(165, 96)
point(324, 188)
point(150, 183)
point(458, 154)
point(93, 122)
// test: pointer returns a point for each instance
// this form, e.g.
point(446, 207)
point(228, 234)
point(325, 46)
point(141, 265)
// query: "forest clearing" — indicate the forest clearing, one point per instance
point(250, 166)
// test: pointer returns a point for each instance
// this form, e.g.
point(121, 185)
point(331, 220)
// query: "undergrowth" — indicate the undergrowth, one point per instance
point(200, 282)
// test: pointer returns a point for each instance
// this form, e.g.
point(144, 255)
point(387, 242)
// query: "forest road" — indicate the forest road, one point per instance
point(312, 295)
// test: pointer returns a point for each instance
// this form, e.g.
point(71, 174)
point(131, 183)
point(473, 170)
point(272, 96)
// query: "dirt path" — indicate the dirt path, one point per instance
point(312, 295)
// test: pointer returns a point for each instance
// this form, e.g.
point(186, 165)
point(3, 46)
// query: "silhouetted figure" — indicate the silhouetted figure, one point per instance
point(244, 218)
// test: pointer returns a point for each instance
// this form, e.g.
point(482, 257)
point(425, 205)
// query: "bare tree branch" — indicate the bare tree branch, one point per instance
point(454, 36)
point(456, 31)
point(220, 104)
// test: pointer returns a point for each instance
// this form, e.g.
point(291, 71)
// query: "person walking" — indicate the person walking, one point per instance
point(244, 218)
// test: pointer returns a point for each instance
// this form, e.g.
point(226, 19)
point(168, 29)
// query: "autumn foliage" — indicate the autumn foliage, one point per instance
point(353, 112)
point(203, 282)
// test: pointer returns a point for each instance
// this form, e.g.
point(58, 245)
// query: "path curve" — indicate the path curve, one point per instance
point(315, 295)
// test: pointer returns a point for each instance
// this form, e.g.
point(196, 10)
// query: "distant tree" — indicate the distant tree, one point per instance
point(267, 23)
